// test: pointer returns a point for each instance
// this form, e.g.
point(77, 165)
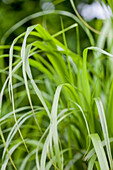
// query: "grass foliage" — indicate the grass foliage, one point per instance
point(56, 106)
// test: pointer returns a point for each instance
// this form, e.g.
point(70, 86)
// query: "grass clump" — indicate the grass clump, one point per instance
point(51, 101)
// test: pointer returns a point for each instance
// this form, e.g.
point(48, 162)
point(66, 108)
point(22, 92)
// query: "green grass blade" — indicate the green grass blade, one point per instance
point(11, 87)
point(24, 55)
point(99, 151)
point(10, 152)
point(85, 79)
point(110, 110)
point(36, 89)
point(2, 137)
point(87, 126)
point(92, 151)
point(53, 126)
point(100, 51)
point(91, 162)
point(67, 55)
point(44, 152)
point(104, 128)
point(14, 130)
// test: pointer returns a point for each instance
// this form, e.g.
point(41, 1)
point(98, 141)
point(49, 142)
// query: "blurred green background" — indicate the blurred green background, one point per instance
point(12, 11)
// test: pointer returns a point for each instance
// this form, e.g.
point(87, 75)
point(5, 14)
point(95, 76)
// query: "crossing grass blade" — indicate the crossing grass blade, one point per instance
point(104, 128)
point(91, 162)
point(7, 149)
point(24, 54)
point(14, 129)
point(4, 165)
point(99, 151)
point(11, 88)
point(53, 126)
point(92, 151)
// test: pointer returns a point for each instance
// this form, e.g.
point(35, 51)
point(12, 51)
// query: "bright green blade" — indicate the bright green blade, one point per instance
point(99, 151)
point(104, 128)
